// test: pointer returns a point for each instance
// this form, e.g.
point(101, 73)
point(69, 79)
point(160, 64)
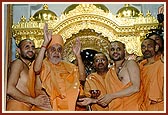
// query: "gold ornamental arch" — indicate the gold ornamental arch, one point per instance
point(95, 28)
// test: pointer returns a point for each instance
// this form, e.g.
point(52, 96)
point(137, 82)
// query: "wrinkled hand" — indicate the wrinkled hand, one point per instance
point(86, 101)
point(47, 35)
point(43, 101)
point(77, 47)
point(105, 100)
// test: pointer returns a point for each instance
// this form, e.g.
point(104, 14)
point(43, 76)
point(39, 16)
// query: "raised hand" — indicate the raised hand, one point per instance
point(77, 47)
point(161, 10)
point(47, 35)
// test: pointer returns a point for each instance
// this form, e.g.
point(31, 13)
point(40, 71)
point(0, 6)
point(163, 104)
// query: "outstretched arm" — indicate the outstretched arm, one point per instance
point(134, 73)
point(76, 50)
point(39, 59)
point(86, 101)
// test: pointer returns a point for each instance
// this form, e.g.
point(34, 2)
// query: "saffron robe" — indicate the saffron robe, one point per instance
point(112, 84)
point(93, 82)
point(61, 82)
point(153, 85)
point(15, 105)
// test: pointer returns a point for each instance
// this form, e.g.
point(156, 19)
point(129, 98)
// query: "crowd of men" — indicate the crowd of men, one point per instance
point(53, 84)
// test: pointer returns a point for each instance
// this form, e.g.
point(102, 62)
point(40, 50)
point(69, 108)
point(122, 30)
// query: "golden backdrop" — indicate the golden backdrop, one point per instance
point(94, 24)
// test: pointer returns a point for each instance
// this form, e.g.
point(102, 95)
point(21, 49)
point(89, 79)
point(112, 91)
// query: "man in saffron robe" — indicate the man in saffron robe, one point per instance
point(96, 81)
point(124, 86)
point(60, 79)
point(152, 71)
point(19, 96)
point(122, 82)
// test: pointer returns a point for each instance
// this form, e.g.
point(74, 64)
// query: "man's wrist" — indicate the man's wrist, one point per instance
point(78, 56)
point(43, 46)
point(32, 101)
point(94, 100)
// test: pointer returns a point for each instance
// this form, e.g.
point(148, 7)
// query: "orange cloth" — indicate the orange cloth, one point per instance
point(111, 84)
point(61, 82)
point(56, 39)
point(31, 87)
point(95, 81)
point(14, 105)
point(127, 103)
point(31, 82)
point(35, 108)
point(81, 94)
point(153, 84)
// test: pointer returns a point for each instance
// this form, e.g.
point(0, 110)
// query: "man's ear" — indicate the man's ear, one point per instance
point(17, 52)
point(156, 48)
point(125, 52)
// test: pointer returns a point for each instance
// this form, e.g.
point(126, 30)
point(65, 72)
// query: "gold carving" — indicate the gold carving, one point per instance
point(95, 27)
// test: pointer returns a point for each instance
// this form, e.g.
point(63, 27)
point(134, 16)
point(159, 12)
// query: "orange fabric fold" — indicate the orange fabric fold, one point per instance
point(14, 105)
point(95, 81)
point(127, 103)
point(111, 84)
point(56, 39)
point(153, 85)
point(31, 80)
point(61, 83)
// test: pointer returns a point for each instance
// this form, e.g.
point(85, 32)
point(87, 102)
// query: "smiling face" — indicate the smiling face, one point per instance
point(117, 51)
point(54, 53)
point(27, 49)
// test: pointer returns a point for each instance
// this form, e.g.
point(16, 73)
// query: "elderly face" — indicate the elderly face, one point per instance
point(116, 51)
point(100, 62)
point(54, 53)
point(148, 48)
point(27, 50)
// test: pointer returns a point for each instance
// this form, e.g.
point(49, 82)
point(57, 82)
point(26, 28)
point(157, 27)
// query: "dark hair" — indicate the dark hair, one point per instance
point(152, 32)
point(160, 17)
point(149, 39)
point(20, 43)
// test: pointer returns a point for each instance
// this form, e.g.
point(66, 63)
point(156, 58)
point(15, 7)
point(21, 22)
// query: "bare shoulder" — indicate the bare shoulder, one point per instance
point(16, 68)
point(132, 63)
point(17, 64)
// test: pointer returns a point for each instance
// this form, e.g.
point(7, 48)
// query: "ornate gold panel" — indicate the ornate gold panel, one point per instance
point(90, 40)
point(93, 26)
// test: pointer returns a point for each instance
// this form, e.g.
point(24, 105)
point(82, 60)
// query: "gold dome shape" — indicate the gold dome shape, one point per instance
point(128, 11)
point(44, 14)
point(73, 6)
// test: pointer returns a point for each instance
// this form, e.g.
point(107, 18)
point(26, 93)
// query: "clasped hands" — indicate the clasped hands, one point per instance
point(103, 100)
